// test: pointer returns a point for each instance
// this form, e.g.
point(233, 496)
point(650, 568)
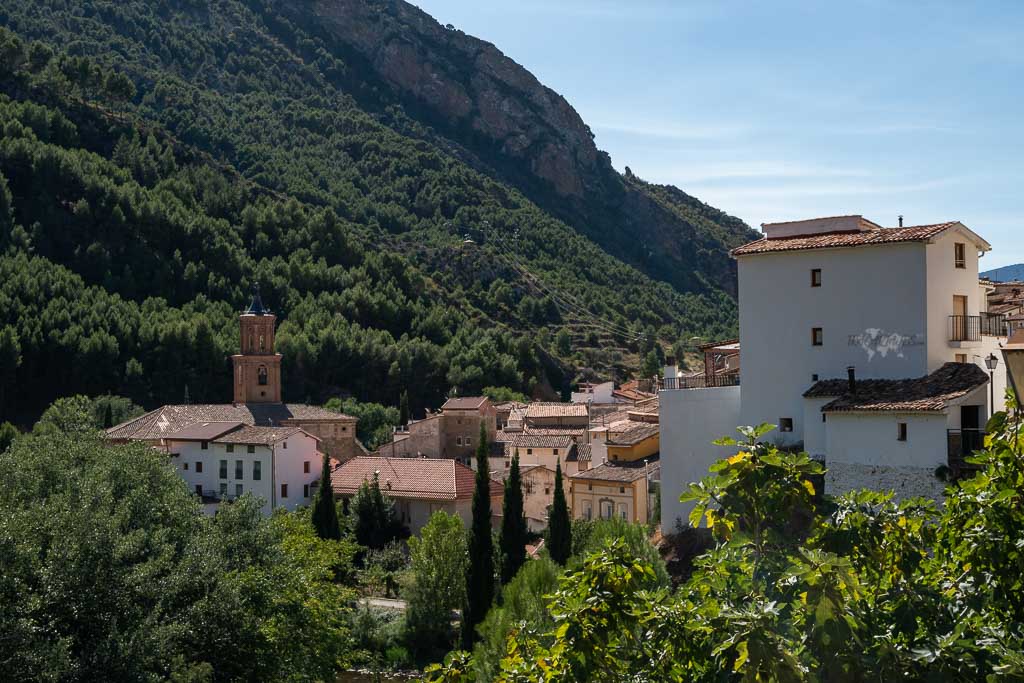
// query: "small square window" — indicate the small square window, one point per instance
point(785, 424)
point(250, 449)
point(901, 431)
point(960, 255)
point(556, 451)
point(468, 441)
point(203, 445)
point(547, 490)
point(230, 448)
point(817, 336)
point(961, 358)
point(529, 451)
point(814, 377)
point(184, 466)
point(816, 277)
point(622, 489)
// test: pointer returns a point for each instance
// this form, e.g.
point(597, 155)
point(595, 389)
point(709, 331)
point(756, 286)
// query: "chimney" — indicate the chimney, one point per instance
point(851, 373)
point(901, 220)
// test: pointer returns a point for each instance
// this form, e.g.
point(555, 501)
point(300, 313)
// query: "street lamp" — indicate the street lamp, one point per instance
point(992, 362)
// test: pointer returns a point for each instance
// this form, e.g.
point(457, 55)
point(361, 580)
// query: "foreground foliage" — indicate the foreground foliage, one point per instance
point(109, 571)
point(799, 588)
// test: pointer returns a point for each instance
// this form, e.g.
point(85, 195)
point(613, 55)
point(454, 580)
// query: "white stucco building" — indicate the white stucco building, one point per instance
point(821, 299)
point(222, 461)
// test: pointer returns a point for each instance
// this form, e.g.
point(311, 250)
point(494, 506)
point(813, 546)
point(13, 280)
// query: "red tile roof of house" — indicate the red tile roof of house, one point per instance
point(464, 403)
point(541, 410)
point(169, 419)
point(917, 233)
point(260, 436)
point(625, 472)
point(410, 478)
point(203, 431)
point(931, 393)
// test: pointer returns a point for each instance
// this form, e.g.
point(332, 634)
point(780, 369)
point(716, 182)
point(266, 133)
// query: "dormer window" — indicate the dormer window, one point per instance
point(960, 255)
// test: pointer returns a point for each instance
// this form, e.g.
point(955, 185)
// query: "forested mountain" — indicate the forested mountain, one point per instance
point(158, 158)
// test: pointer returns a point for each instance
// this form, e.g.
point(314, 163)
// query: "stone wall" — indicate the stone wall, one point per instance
point(904, 482)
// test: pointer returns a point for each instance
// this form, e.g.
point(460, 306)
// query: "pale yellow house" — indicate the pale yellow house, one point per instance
point(614, 490)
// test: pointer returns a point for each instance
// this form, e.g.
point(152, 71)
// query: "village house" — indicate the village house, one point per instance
point(222, 461)
point(450, 433)
point(623, 490)
point(419, 486)
point(258, 403)
point(825, 306)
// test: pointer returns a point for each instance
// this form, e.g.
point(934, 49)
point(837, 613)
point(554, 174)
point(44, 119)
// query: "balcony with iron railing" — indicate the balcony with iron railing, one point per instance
point(725, 379)
point(961, 444)
point(971, 328)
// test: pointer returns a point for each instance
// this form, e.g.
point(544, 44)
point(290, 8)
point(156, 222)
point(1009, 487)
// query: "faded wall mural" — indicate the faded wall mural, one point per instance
point(877, 342)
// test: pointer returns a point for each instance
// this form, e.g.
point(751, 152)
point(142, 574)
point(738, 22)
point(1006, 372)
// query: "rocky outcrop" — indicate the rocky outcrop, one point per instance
point(470, 83)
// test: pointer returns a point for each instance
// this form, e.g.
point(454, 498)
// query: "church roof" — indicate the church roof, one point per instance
point(170, 419)
point(256, 307)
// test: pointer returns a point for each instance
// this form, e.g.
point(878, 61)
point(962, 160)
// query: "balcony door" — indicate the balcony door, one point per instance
point(959, 317)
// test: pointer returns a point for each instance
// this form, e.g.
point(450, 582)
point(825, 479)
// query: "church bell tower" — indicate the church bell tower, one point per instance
point(258, 368)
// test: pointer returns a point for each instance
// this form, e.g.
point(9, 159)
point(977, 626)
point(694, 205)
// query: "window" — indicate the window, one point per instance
point(814, 377)
point(223, 469)
point(184, 466)
point(556, 451)
point(261, 375)
point(262, 343)
point(305, 467)
point(817, 336)
point(284, 445)
point(230, 448)
point(468, 441)
point(529, 451)
point(199, 489)
point(223, 489)
point(622, 489)
point(203, 445)
point(239, 474)
point(284, 490)
point(607, 510)
point(506, 464)
point(901, 431)
point(816, 277)
point(590, 487)
point(458, 441)
point(257, 470)
point(785, 424)
point(250, 449)
point(960, 255)
point(622, 510)
point(344, 429)
point(961, 358)
point(199, 466)
point(547, 490)
point(238, 490)
point(588, 509)
point(305, 490)
point(824, 417)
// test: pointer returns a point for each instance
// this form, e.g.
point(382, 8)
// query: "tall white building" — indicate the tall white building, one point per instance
point(828, 301)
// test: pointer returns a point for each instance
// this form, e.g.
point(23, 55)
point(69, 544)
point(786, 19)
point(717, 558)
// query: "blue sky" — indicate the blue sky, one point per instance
point(786, 110)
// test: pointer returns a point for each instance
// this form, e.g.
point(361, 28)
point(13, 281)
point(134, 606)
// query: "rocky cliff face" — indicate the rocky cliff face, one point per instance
point(471, 84)
point(485, 103)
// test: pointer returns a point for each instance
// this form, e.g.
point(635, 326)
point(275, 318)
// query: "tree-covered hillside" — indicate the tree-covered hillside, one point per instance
point(158, 158)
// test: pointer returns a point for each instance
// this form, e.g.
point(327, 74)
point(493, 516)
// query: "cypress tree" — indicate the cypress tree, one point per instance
point(480, 577)
point(559, 527)
point(325, 514)
point(513, 524)
point(403, 409)
point(108, 416)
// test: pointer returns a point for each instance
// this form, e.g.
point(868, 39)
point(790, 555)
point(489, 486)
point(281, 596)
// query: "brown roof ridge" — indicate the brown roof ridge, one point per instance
point(930, 393)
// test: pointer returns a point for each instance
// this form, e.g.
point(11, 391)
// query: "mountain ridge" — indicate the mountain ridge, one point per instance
point(1011, 273)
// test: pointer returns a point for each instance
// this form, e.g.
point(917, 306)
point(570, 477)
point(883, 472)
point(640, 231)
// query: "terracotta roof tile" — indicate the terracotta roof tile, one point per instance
point(619, 472)
point(259, 436)
point(174, 418)
point(917, 233)
point(535, 410)
point(581, 453)
point(464, 403)
point(931, 393)
point(562, 441)
point(633, 433)
point(420, 478)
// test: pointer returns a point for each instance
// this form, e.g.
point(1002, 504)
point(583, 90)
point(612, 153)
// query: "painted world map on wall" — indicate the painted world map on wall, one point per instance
point(877, 342)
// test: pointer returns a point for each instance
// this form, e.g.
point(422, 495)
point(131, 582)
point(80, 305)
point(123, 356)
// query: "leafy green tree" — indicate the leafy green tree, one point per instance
point(10, 359)
point(502, 394)
point(651, 366)
point(512, 542)
point(480, 576)
point(563, 343)
point(8, 433)
point(324, 511)
point(559, 535)
point(439, 561)
point(375, 520)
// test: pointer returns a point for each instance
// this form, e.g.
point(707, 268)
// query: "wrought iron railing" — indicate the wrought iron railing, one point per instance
point(730, 379)
point(973, 327)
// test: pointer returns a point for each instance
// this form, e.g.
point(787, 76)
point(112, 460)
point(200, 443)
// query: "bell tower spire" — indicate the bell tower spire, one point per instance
point(257, 377)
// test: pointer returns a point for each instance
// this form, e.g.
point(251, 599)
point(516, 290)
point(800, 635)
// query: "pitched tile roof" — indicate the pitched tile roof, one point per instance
point(203, 431)
point(464, 403)
point(537, 441)
point(633, 433)
point(535, 410)
point(931, 393)
point(917, 233)
point(581, 453)
point(626, 472)
point(173, 418)
point(555, 430)
point(259, 436)
point(413, 478)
